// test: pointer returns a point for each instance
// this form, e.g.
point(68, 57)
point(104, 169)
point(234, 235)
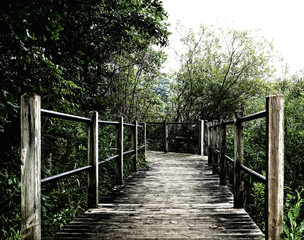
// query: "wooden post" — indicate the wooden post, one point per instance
point(238, 160)
point(134, 140)
point(30, 166)
point(209, 143)
point(223, 146)
point(275, 166)
point(205, 139)
point(145, 139)
point(119, 146)
point(201, 137)
point(93, 198)
point(214, 147)
point(166, 133)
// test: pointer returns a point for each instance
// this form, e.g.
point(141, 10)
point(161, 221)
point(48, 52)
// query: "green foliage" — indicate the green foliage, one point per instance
point(10, 190)
point(79, 56)
point(293, 226)
point(255, 202)
point(99, 55)
point(186, 137)
point(294, 135)
point(221, 69)
point(293, 90)
point(61, 202)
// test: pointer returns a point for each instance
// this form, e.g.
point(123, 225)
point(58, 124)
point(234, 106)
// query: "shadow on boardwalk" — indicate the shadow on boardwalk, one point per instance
point(178, 198)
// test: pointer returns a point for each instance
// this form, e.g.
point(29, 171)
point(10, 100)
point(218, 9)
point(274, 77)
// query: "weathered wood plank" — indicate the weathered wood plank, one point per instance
point(178, 198)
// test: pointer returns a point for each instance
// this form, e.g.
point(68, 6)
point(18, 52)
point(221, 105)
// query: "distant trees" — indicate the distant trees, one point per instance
point(221, 69)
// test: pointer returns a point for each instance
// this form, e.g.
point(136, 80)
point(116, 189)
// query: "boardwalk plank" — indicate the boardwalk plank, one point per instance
point(178, 198)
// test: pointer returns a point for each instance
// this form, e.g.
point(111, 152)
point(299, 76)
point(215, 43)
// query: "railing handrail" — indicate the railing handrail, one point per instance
point(64, 116)
point(173, 123)
point(259, 177)
point(247, 118)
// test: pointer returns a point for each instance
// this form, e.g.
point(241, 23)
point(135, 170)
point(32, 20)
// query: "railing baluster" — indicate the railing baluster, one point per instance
point(93, 160)
point(201, 137)
point(275, 166)
point(134, 140)
point(119, 146)
point(166, 134)
point(205, 137)
point(238, 160)
point(31, 166)
point(214, 147)
point(223, 146)
point(145, 140)
point(209, 143)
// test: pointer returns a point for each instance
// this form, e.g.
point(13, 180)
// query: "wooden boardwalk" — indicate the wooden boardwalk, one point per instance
point(178, 198)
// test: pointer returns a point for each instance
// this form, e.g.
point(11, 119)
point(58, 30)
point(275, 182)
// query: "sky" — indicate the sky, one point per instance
point(280, 20)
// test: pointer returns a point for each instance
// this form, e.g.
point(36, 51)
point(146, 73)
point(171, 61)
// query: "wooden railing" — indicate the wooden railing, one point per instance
point(216, 147)
point(31, 181)
point(274, 179)
point(166, 138)
point(31, 114)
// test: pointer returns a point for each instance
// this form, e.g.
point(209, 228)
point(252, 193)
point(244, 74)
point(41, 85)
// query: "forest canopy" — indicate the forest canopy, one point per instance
point(107, 56)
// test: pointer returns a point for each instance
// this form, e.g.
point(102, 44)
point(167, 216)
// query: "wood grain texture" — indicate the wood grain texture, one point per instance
point(93, 160)
point(214, 147)
point(238, 161)
point(30, 166)
point(209, 127)
point(134, 140)
point(275, 165)
point(177, 198)
point(223, 147)
point(201, 137)
point(166, 135)
point(120, 150)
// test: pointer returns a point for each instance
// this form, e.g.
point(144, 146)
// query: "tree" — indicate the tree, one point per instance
point(221, 70)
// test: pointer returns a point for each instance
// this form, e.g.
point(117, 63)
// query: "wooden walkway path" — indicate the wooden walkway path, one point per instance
point(178, 198)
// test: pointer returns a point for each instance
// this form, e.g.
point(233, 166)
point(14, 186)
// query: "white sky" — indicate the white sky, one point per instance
point(280, 20)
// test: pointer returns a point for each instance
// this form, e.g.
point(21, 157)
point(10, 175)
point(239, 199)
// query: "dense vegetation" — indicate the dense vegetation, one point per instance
point(105, 56)
point(79, 56)
point(225, 70)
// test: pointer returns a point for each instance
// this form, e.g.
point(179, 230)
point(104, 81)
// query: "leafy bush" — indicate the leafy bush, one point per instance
point(293, 225)
point(10, 216)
